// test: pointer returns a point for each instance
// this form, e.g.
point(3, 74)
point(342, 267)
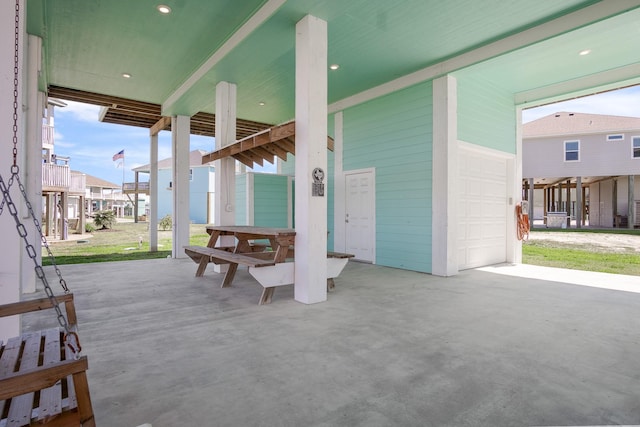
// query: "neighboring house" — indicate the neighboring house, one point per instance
point(261, 198)
point(201, 188)
point(60, 185)
point(104, 195)
point(596, 157)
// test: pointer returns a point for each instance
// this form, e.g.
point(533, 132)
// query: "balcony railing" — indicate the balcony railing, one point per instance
point(78, 183)
point(131, 186)
point(55, 176)
point(47, 134)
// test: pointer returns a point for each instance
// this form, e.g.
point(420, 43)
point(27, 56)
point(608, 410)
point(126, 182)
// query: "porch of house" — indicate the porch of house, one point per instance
point(389, 347)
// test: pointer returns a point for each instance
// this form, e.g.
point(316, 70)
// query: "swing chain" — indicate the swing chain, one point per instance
point(14, 168)
point(70, 337)
point(22, 231)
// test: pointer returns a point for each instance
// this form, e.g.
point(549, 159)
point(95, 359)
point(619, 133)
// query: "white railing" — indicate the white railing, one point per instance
point(53, 175)
point(78, 183)
point(47, 134)
point(131, 186)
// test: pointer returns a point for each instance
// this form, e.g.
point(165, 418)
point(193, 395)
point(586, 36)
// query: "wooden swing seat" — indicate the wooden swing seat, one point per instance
point(40, 381)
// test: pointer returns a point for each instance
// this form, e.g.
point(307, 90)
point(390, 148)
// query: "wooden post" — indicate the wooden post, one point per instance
point(545, 203)
point(579, 201)
point(631, 211)
point(311, 161)
point(568, 203)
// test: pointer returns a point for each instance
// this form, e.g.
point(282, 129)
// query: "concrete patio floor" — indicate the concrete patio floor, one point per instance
point(388, 348)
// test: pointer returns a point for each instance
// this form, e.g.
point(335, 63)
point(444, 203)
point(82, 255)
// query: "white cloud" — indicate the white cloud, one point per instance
point(80, 111)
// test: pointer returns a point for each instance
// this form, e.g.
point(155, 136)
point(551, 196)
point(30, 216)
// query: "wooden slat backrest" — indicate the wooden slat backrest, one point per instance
point(8, 361)
point(51, 398)
point(21, 406)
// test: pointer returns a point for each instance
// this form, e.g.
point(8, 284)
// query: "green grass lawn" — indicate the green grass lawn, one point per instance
point(120, 243)
point(577, 259)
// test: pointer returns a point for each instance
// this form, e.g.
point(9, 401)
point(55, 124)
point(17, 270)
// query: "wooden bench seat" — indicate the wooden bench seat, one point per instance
point(41, 383)
point(223, 256)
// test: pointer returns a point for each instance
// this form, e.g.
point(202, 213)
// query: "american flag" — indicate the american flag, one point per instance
point(118, 155)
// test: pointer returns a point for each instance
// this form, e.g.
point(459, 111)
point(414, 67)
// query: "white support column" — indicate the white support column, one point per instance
point(225, 169)
point(631, 214)
point(31, 160)
point(530, 197)
point(311, 155)
point(444, 258)
point(153, 193)
point(579, 202)
point(339, 227)
point(514, 196)
point(10, 267)
point(180, 129)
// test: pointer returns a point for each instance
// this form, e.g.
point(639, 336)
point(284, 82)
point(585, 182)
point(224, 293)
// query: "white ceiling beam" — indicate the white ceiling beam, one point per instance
point(616, 78)
point(238, 37)
point(556, 27)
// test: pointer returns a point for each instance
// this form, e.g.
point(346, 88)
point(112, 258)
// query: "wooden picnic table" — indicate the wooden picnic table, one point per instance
point(267, 262)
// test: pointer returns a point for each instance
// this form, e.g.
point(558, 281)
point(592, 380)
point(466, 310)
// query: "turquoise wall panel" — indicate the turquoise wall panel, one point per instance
point(241, 200)
point(270, 200)
point(393, 134)
point(198, 194)
point(486, 114)
point(165, 194)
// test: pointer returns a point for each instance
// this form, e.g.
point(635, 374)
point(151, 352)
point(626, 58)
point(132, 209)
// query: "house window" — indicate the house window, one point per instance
point(635, 146)
point(616, 137)
point(190, 174)
point(572, 151)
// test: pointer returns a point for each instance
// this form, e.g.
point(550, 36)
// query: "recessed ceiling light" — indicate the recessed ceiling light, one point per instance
point(163, 8)
point(261, 103)
point(334, 66)
point(126, 75)
point(585, 52)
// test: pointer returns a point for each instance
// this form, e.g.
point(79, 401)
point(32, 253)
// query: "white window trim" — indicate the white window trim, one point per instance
point(633, 138)
point(564, 151)
point(611, 139)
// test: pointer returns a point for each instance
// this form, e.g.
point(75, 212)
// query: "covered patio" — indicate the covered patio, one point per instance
point(389, 347)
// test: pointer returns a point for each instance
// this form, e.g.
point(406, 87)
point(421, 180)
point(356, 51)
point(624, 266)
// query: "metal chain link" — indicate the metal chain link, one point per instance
point(14, 168)
point(43, 239)
point(31, 252)
point(70, 337)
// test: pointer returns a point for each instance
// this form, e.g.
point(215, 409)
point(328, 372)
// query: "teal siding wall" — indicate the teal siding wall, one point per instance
point(393, 134)
point(270, 200)
point(198, 194)
point(486, 114)
point(165, 195)
point(288, 168)
point(241, 199)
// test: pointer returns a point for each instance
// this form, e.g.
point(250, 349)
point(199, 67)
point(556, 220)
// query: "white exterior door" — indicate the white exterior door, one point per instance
point(482, 208)
point(360, 210)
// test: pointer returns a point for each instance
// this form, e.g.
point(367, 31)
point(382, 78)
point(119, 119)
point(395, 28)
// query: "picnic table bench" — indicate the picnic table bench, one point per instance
point(267, 264)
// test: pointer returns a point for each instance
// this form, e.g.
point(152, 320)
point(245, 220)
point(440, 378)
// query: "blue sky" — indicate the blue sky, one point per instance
point(91, 144)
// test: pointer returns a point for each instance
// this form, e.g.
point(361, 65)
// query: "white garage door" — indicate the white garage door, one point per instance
point(482, 208)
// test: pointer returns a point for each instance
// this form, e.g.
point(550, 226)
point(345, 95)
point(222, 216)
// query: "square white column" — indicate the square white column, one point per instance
point(444, 258)
point(225, 170)
point(10, 267)
point(311, 161)
point(180, 130)
point(153, 193)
